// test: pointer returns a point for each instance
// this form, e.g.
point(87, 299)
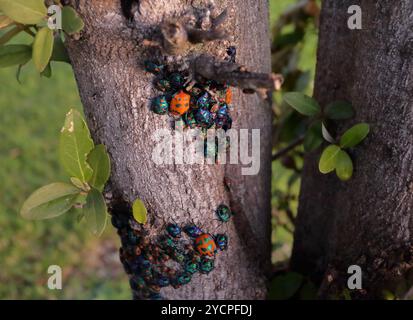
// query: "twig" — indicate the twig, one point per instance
point(288, 148)
point(290, 216)
point(236, 75)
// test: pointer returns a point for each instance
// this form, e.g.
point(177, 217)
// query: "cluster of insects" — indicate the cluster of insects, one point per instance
point(201, 104)
point(172, 260)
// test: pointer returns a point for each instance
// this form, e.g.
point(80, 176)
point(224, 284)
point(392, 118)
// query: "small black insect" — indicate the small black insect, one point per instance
point(127, 8)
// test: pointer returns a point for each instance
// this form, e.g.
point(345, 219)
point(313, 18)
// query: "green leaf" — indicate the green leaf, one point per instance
point(59, 51)
point(285, 286)
point(5, 21)
point(354, 135)
point(313, 139)
point(100, 163)
point(344, 166)
point(71, 22)
point(80, 200)
point(14, 54)
point(339, 110)
point(47, 72)
point(95, 212)
point(139, 211)
point(42, 48)
point(49, 201)
point(24, 11)
point(18, 73)
point(302, 103)
point(328, 159)
point(326, 134)
point(74, 146)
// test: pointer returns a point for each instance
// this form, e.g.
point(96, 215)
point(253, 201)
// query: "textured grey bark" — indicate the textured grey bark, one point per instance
point(368, 220)
point(116, 92)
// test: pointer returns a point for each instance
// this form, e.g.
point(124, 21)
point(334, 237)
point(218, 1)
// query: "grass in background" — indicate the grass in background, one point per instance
point(282, 239)
point(32, 115)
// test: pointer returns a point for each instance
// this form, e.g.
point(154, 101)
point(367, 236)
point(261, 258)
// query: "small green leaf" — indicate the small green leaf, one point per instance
point(139, 211)
point(74, 146)
point(5, 21)
point(71, 22)
point(14, 54)
point(42, 48)
point(47, 72)
point(100, 163)
point(313, 139)
point(344, 166)
point(285, 286)
point(328, 159)
point(24, 11)
point(326, 134)
point(79, 184)
point(96, 212)
point(302, 103)
point(354, 135)
point(59, 51)
point(339, 110)
point(49, 201)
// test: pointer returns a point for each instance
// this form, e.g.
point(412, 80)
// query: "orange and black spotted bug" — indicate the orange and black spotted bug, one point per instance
point(205, 245)
point(180, 103)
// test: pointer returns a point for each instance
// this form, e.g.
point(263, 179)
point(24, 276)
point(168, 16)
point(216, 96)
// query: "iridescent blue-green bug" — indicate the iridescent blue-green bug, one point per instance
point(223, 122)
point(163, 85)
point(191, 266)
point(222, 241)
point(160, 105)
point(173, 230)
point(137, 283)
point(145, 268)
point(133, 238)
point(155, 296)
point(223, 110)
point(192, 230)
point(204, 101)
point(177, 81)
point(179, 257)
point(223, 213)
point(206, 265)
point(153, 67)
point(163, 281)
point(184, 278)
point(189, 119)
point(204, 118)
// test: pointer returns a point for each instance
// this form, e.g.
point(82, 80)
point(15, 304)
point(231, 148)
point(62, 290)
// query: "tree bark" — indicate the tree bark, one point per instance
point(116, 94)
point(367, 221)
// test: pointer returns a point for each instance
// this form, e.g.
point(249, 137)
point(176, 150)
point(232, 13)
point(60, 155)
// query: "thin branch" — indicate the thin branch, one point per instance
point(235, 75)
point(290, 216)
point(288, 148)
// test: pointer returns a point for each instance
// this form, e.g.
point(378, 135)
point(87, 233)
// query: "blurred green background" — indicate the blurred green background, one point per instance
point(31, 115)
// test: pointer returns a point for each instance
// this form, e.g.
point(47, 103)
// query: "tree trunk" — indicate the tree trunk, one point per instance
point(116, 94)
point(367, 221)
